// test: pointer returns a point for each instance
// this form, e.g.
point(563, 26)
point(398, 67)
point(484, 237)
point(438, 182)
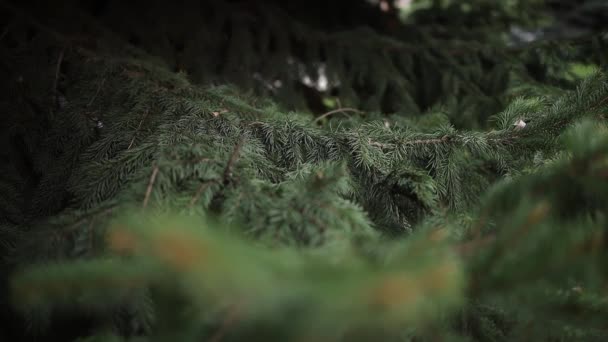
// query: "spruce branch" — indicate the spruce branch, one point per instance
point(601, 103)
point(57, 73)
point(150, 186)
point(228, 171)
point(137, 130)
point(321, 227)
point(339, 110)
point(405, 142)
point(391, 177)
point(199, 192)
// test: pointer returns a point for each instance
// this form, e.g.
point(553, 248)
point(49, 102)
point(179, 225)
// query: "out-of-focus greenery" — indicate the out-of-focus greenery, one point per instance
point(176, 172)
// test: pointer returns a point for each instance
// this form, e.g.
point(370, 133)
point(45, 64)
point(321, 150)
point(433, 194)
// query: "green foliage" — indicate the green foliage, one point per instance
point(172, 191)
point(322, 294)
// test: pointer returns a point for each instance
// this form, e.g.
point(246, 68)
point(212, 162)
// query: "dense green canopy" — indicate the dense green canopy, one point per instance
point(303, 170)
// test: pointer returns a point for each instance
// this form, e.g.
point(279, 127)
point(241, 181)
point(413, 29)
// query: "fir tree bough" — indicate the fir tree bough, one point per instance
point(155, 197)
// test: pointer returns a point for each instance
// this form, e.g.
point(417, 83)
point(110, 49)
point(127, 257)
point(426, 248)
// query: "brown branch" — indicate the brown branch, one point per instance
point(380, 145)
point(233, 158)
point(339, 110)
point(150, 185)
point(57, 72)
point(322, 228)
point(137, 130)
point(444, 139)
point(200, 191)
point(599, 104)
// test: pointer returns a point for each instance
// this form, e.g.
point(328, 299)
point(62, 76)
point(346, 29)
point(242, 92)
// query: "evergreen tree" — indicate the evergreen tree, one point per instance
point(304, 170)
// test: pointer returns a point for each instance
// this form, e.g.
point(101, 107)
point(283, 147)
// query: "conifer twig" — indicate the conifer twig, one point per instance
point(380, 145)
point(443, 139)
point(600, 103)
point(57, 72)
point(339, 110)
point(321, 227)
point(150, 186)
point(233, 158)
point(137, 130)
point(200, 192)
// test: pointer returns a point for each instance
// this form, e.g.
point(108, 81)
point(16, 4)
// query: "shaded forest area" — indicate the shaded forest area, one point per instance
point(431, 170)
